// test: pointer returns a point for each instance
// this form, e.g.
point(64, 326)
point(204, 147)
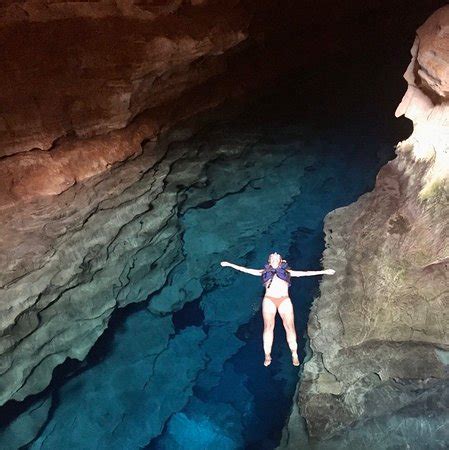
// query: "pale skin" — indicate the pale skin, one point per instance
point(278, 288)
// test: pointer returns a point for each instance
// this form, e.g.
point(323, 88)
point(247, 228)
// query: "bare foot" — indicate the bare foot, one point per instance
point(295, 359)
point(267, 361)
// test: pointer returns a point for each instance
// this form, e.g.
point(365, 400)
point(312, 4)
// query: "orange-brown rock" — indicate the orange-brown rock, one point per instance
point(38, 172)
point(75, 75)
point(84, 76)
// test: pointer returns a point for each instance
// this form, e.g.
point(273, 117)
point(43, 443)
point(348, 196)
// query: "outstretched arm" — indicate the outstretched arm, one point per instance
point(256, 272)
point(299, 273)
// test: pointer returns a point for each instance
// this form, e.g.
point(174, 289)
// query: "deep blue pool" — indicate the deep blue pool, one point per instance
point(195, 379)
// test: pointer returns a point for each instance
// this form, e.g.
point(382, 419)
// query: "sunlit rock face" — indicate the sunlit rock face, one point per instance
point(426, 101)
point(378, 375)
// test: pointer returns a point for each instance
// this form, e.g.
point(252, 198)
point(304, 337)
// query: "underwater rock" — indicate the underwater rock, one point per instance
point(80, 255)
point(379, 335)
point(204, 428)
point(22, 430)
point(128, 397)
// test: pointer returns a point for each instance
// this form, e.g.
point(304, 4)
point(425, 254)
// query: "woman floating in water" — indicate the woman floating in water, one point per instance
point(276, 279)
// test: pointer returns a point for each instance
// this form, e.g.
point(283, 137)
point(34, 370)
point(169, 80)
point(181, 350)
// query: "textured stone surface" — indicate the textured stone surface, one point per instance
point(25, 427)
point(64, 253)
point(426, 101)
point(378, 371)
point(378, 330)
point(67, 69)
point(84, 83)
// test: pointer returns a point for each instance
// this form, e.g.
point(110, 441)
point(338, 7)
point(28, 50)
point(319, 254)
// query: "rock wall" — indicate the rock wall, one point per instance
point(377, 375)
point(83, 83)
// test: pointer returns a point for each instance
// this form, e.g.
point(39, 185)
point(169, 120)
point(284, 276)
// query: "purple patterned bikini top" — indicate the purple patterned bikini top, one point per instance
point(281, 271)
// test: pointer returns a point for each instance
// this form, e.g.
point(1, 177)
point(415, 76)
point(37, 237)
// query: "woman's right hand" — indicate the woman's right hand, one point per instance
point(225, 264)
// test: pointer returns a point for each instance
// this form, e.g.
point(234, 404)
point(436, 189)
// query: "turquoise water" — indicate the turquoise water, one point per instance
point(195, 379)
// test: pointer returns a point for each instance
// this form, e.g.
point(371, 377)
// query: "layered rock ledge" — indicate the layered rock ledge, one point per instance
point(84, 83)
point(378, 372)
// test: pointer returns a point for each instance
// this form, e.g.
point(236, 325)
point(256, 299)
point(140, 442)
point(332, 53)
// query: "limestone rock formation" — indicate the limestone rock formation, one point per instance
point(379, 332)
point(83, 83)
point(150, 370)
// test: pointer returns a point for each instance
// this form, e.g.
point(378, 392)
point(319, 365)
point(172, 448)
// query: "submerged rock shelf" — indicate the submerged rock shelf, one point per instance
point(234, 191)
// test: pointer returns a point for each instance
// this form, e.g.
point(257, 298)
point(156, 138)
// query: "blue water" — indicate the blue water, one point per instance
point(194, 379)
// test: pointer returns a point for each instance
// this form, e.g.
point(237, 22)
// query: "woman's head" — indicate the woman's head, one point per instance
point(274, 259)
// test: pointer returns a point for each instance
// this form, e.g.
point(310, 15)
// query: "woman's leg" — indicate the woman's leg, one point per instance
point(288, 319)
point(269, 313)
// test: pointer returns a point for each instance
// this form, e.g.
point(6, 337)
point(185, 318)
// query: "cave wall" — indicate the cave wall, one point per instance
point(378, 369)
point(84, 83)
